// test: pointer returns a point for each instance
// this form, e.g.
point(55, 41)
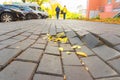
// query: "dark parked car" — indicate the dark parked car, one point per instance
point(37, 9)
point(9, 14)
point(29, 13)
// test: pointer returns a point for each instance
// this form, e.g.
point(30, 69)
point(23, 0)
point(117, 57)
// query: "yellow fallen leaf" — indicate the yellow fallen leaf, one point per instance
point(87, 68)
point(68, 52)
point(81, 54)
point(53, 39)
point(48, 34)
point(83, 63)
point(64, 77)
point(64, 40)
point(50, 38)
point(76, 46)
point(58, 39)
point(61, 49)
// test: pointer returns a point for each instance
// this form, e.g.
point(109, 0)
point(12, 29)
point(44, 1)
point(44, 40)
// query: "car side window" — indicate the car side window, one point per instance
point(0, 7)
point(32, 7)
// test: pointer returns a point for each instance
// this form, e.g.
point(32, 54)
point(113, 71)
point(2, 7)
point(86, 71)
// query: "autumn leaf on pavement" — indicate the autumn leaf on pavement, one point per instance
point(68, 52)
point(61, 49)
point(64, 77)
point(76, 46)
point(82, 54)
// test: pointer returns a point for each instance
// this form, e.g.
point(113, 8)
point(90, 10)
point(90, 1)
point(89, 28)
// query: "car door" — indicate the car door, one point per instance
point(0, 9)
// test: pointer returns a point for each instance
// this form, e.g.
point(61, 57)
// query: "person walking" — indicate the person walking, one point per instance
point(64, 12)
point(57, 12)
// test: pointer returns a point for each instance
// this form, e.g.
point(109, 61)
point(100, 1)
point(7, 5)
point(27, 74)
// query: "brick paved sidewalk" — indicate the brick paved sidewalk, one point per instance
point(26, 55)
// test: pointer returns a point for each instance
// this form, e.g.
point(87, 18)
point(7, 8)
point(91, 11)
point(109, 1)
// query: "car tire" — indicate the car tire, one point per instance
point(28, 17)
point(40, 16)
point(6, 17)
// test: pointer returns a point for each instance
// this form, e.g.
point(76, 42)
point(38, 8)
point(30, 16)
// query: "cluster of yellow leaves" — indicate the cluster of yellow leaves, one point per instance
point(74, 47)
point(60, 37)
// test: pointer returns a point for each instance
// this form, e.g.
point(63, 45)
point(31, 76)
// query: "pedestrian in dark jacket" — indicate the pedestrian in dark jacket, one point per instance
point(57, 12)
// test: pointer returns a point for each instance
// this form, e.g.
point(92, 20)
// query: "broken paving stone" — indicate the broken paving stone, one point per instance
point(60, 35)
point(70, 34)
point(91, 41)
point(75, 41)
point(86, 50)
point(82, 33)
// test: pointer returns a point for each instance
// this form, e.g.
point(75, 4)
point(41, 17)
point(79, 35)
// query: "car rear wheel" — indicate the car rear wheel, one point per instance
point(40, 16)
point(6, 17)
